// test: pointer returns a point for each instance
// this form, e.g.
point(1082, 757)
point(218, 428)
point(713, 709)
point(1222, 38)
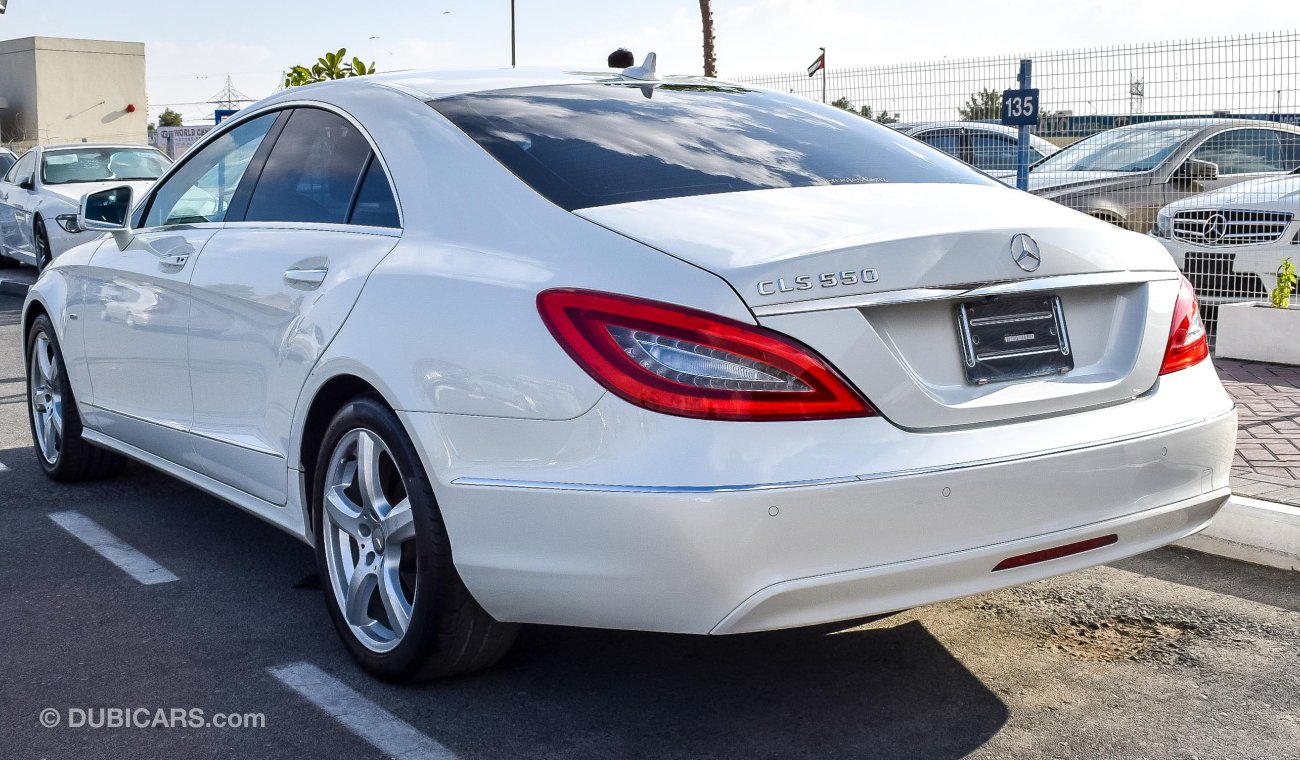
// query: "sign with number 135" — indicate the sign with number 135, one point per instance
point(1020, 107)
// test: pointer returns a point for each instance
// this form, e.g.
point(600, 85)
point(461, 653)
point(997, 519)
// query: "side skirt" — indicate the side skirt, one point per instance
point(288, 518)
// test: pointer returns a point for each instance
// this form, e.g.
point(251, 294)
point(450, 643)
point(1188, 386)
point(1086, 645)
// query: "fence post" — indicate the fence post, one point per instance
point(1022, 151)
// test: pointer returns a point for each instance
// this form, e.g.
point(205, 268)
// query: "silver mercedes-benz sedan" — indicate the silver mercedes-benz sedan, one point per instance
point(1125, 175)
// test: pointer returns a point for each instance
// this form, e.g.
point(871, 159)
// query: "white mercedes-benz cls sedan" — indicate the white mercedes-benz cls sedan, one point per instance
point(620, 351)
point(40, 194)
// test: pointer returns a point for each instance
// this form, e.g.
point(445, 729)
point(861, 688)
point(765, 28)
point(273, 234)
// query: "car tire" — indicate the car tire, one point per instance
point(380, 562)
point(41, 244)
point(52, 414)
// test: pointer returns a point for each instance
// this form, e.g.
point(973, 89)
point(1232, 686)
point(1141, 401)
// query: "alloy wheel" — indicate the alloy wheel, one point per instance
point(369, 534)
point(47, 401)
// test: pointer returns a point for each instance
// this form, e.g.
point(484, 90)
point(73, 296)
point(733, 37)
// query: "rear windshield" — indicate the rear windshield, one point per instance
point(595, 145)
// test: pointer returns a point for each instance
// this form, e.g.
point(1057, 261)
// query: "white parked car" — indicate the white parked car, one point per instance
point(40, 194)
point(7, 159)
point(626, 352)
point(991, 147)
point(1230, 242)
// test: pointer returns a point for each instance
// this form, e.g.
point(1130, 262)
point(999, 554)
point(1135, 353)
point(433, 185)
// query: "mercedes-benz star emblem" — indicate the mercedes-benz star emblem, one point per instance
point(1024, 251)
point(1215, 228)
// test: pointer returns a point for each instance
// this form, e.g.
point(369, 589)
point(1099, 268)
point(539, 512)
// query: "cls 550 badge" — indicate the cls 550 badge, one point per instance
point(824, 280)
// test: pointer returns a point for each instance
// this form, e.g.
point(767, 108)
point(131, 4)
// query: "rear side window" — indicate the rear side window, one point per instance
point(313, 171)
point(600, 144)
point(375, 206)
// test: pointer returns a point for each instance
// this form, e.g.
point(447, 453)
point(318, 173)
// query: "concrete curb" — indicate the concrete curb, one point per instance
point(1251, 530)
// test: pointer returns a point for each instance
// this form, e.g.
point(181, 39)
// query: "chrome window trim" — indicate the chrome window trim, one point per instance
point(917, 295)
point(276, 107)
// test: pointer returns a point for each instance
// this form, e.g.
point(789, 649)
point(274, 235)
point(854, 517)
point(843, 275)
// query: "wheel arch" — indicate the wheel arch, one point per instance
point(326, 399)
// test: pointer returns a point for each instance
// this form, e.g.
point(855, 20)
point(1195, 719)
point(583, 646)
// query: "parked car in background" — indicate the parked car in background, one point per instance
point(7, 159)
point(628, 352)
point(1124, 175)
point(990, 147)
point(41, 194)
point(1230, 242)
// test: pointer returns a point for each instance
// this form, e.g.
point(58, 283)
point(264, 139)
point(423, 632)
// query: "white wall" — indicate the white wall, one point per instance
point(68, 91)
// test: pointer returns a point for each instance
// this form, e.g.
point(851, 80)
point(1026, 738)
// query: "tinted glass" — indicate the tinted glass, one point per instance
point(312, 172)
point(200, 191)
point(63, 167)
point(375, 206)
point(1243, 151)
point(1127, 149)
point(600, 144)
point(6, 161)
point(1290, 149)
point(24, 168)
point(992, 152)
point(946, 140)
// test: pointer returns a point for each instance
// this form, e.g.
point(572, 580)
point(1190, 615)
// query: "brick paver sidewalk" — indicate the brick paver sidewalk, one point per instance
point(1267, 465)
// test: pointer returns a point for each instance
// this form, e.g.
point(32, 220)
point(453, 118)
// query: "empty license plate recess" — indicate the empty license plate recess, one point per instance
point(1012, 338)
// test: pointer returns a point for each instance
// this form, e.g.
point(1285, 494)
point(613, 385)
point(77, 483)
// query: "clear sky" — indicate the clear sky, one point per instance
point(192, 45)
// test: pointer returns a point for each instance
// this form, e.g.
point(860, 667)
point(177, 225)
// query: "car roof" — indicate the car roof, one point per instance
point(1207, 122)
point(435, 85)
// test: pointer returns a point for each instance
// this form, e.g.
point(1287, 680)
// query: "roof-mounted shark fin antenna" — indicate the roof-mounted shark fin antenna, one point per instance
point(646, 71)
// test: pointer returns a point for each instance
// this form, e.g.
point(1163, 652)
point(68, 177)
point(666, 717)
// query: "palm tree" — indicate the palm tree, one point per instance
point(710, 56)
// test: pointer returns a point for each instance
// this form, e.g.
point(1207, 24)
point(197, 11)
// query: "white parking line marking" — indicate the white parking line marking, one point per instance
point(112, 548)
point(394, 737)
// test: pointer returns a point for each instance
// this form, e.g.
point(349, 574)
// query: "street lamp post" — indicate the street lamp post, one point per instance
point(512, 34)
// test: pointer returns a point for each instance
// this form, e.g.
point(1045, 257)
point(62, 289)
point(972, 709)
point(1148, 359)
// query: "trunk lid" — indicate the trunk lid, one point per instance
point(872, 277)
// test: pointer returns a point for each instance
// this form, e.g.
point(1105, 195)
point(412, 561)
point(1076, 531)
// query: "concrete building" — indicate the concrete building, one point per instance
point(58, 90)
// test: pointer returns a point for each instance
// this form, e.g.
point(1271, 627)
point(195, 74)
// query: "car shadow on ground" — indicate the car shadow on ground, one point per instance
point(889, 691)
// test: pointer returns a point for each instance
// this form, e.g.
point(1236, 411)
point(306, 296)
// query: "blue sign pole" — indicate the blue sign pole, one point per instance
point(1022, 153)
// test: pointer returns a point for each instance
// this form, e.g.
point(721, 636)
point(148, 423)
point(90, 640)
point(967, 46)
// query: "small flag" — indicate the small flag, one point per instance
point(818, 64)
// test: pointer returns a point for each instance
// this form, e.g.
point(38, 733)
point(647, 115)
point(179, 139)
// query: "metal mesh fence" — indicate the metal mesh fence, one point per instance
point(1190, 141)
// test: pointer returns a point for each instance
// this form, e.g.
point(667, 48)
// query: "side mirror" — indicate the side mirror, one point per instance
point(27, 183)
point(106, 210)
point(1196, 169)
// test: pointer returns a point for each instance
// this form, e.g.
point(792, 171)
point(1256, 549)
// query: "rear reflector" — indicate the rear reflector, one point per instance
point(1056, 552)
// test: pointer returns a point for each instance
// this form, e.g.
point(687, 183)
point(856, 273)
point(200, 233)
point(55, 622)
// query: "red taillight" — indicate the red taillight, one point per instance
point(1188, 343)
point(690, 363)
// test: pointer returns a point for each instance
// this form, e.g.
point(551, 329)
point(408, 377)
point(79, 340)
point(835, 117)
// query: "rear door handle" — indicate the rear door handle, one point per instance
point(174, 260)
point(307, 277)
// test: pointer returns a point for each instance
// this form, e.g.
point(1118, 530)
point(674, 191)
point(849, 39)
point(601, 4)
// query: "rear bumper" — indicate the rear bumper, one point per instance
point(901, 585)
point(746, 558)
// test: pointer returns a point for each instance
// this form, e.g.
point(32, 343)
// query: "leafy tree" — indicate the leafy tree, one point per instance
point(330, 66)
point(982, 105)
point(866, 112)
point(710, 55)
point(169, 118)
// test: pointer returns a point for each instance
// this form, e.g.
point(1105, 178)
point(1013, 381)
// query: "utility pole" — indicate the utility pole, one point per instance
point(512, 34)
point(823, 74)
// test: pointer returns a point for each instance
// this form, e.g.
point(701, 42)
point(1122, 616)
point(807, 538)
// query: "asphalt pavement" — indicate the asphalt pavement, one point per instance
point(1169, 655)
